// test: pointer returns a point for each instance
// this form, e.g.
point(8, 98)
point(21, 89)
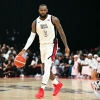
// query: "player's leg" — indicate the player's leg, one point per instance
point(40, 93)
point(57, 85)
point(51, 54)
point(52, 77)
point(47, 67)
point(47, 60)
point(48, 74)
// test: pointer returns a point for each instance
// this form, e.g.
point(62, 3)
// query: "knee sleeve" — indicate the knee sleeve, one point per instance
point(47, 67)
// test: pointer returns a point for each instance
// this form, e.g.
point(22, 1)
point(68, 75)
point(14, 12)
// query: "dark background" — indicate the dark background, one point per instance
point(80, 20)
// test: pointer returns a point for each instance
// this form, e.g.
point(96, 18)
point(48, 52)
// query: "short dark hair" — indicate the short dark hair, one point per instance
point(42, 5)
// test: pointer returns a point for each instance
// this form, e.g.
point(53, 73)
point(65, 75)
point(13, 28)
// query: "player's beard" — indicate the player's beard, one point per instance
point(43, 16)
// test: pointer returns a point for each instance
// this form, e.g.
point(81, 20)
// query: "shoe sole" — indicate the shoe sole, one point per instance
point(58, 90)
point(38, 97)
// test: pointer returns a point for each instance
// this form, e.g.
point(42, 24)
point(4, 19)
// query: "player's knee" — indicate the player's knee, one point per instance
point(47, 71)
point(48, 62)
point(47, 66)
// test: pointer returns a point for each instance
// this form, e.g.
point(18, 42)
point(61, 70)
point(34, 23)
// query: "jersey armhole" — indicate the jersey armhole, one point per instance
point(54, 26)
point(35, 25)
point(51, 20)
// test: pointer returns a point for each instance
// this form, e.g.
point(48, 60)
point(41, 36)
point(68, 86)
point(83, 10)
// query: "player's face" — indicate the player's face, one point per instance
point(43, 11)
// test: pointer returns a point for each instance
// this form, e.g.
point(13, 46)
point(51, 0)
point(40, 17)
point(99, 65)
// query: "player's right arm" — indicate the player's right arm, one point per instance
point(30, 39)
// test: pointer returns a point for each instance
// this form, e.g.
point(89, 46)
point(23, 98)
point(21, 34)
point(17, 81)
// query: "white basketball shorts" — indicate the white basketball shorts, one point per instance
point(48, 51)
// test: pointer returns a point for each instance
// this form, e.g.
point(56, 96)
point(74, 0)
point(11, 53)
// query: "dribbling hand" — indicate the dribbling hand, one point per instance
point(21, 53)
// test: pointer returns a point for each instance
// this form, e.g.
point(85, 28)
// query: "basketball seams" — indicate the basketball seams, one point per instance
point(19, 61)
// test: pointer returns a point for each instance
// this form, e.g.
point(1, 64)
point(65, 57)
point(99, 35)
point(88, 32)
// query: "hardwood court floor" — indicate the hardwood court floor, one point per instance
point(25, 89)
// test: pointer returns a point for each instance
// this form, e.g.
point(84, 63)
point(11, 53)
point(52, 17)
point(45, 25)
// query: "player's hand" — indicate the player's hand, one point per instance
point(67, 51)
point(21, 53)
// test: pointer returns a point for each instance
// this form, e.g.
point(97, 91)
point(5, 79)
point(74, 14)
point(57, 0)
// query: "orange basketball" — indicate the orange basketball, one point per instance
point(19, 61)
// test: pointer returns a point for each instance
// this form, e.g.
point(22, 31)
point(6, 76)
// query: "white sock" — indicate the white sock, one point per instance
point(43, 86)
point(55, 81)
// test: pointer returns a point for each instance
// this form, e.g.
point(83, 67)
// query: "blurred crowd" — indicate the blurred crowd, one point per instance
point(80, 64)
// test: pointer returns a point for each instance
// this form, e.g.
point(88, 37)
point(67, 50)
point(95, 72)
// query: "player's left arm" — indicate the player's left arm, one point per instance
point(57, 24)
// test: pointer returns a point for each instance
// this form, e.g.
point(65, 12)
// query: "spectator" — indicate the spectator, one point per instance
point(29, 59)
point(38, 68)
point(59, 53)
point(84, 64)
point(35, 56)
point(91, 65)
point(95, 62)
point(2, 60)
point(55, 65)
point(65, 66)
point(32, 66)
point(75, 67)
point(9, 71)
point(17, 72)
point(98, 69)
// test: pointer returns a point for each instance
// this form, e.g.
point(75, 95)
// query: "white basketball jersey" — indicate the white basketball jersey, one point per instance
point(45, 30)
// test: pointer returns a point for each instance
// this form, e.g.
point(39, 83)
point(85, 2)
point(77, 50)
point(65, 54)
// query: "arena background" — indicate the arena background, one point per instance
point(80, 20)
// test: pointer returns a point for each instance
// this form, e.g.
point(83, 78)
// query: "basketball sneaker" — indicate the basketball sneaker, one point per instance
point(95, 85)
point(40, 94)
point(57, 88)
point(96, 88)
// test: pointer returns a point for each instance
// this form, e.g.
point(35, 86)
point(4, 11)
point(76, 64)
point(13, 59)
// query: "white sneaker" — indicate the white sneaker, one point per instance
point(37, 75)
point(95, 85)
point(22, 75)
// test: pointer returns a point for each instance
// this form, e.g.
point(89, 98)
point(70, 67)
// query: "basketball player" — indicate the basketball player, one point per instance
point(45, 26)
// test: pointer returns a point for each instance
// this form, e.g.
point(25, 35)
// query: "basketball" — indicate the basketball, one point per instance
point(19, 61)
